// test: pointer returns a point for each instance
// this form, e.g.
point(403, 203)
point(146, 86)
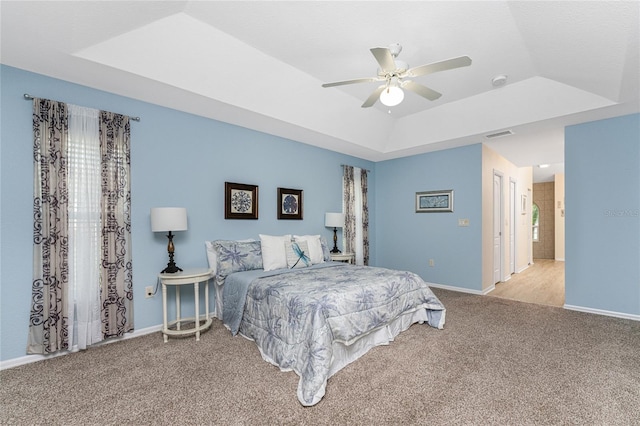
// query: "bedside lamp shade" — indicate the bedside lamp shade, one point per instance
point(169, 219)
point(335, 221)
point(164, 219)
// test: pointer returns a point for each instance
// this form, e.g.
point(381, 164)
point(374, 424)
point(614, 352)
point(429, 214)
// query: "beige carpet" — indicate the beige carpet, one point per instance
point(496, 362)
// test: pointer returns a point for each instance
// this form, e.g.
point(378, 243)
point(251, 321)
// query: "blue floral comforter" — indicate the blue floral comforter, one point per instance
point(294, 316)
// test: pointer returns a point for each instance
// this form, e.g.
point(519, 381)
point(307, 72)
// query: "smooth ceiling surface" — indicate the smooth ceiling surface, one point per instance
point(261, 65)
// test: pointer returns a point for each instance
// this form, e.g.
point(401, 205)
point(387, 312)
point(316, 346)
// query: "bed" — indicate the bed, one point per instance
point(316, 318)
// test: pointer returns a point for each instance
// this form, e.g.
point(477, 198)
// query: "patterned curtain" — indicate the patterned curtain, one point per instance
point(365, 216)
point(349, 230)
point(116, 280)
point(50, 323)
point(356, 213)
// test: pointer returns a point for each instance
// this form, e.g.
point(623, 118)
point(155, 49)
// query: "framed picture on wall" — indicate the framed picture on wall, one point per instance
point(434, 201)
point(240, 201)
point(290, 203)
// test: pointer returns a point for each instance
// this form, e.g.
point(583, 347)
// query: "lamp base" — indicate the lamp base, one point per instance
point(171, 269)
point(335, 241)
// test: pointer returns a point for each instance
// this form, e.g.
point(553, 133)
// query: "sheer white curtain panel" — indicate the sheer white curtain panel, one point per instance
point(84, 226)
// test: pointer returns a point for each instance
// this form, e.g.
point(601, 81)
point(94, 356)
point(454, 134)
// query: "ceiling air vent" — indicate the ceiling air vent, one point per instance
point(499, 134)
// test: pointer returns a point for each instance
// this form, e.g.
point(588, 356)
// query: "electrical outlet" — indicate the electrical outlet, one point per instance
point(148, 291)
point(432, 262)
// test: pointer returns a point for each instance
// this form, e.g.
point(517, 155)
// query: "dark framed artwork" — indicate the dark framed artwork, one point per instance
point(290, 203)
point(434, 201)
point(240, 201)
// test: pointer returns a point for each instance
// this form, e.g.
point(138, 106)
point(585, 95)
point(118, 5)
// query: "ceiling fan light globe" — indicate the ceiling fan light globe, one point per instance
point(391, 96)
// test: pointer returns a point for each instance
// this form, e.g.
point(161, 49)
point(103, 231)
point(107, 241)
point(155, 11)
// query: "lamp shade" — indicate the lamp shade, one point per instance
point(168, 219)
point(334, 220)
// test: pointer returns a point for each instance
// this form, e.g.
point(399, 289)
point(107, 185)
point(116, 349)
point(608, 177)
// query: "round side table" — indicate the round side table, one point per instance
point(187, 277)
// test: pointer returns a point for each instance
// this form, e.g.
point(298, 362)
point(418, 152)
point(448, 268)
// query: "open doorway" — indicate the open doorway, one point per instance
point(543, 281)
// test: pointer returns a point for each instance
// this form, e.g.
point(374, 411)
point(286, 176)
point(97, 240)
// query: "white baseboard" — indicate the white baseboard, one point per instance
point(461, 289)
point(603, 312)
point(523, 269)
point(569, 307)
point(560, 259)
point(27, 359)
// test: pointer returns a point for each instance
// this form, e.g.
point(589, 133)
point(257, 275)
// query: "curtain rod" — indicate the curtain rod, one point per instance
point(29, 98)
point(368, 171)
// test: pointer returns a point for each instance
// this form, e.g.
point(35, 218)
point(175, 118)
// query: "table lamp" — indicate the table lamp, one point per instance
point(335, 221)
point(169, 219)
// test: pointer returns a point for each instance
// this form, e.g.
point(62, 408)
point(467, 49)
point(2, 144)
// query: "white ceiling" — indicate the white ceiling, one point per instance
point(261, 65)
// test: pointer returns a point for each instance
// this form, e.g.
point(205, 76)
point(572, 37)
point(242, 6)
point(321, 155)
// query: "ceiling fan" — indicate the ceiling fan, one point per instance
point(394, 73)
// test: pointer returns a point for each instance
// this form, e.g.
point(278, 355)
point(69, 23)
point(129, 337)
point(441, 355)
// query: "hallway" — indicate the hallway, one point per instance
point(541, 283)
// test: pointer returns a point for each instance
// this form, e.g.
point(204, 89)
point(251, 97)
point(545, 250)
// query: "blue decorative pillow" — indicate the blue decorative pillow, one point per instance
point(236, 256)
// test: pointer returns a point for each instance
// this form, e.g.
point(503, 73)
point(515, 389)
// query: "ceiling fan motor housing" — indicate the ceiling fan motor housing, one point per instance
point(395, 49)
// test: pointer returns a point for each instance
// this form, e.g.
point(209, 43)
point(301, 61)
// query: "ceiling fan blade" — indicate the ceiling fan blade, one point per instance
point(447, 64)
point(357, 80)
point(421, 90)
point(373, 97)
point(384, 58)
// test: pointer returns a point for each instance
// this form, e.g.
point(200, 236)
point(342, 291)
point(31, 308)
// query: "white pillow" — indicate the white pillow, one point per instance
point(315, 247)
point(297, 259)
point(212, 257)
point(273, 253)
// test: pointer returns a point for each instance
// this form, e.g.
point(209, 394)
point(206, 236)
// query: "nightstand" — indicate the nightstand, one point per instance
point(187, 277)
point(344, 257)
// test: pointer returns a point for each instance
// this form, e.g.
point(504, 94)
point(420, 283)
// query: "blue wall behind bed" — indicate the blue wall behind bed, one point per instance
point(178, 159)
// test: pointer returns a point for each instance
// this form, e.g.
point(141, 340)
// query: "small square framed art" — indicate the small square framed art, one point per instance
point(290, 203)
point(240, 201)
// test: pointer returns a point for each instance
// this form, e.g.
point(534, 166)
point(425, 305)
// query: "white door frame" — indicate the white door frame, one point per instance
point(512, 225)
point(498, 238)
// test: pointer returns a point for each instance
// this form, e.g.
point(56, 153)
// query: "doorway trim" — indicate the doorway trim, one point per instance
point(513, 237)
point(498, 222)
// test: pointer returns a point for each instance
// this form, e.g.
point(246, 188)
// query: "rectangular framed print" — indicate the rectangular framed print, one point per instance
point(290, 203)
point(240, 201)
point(434, 201)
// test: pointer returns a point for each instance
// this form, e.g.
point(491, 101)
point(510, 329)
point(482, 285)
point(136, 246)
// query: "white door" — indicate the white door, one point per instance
point(512, 227)
point(497, 228)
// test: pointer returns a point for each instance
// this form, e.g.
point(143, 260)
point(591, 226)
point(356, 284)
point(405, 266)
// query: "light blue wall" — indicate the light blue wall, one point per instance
point(178, 159)
point(602, 187)
point(407, 240)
